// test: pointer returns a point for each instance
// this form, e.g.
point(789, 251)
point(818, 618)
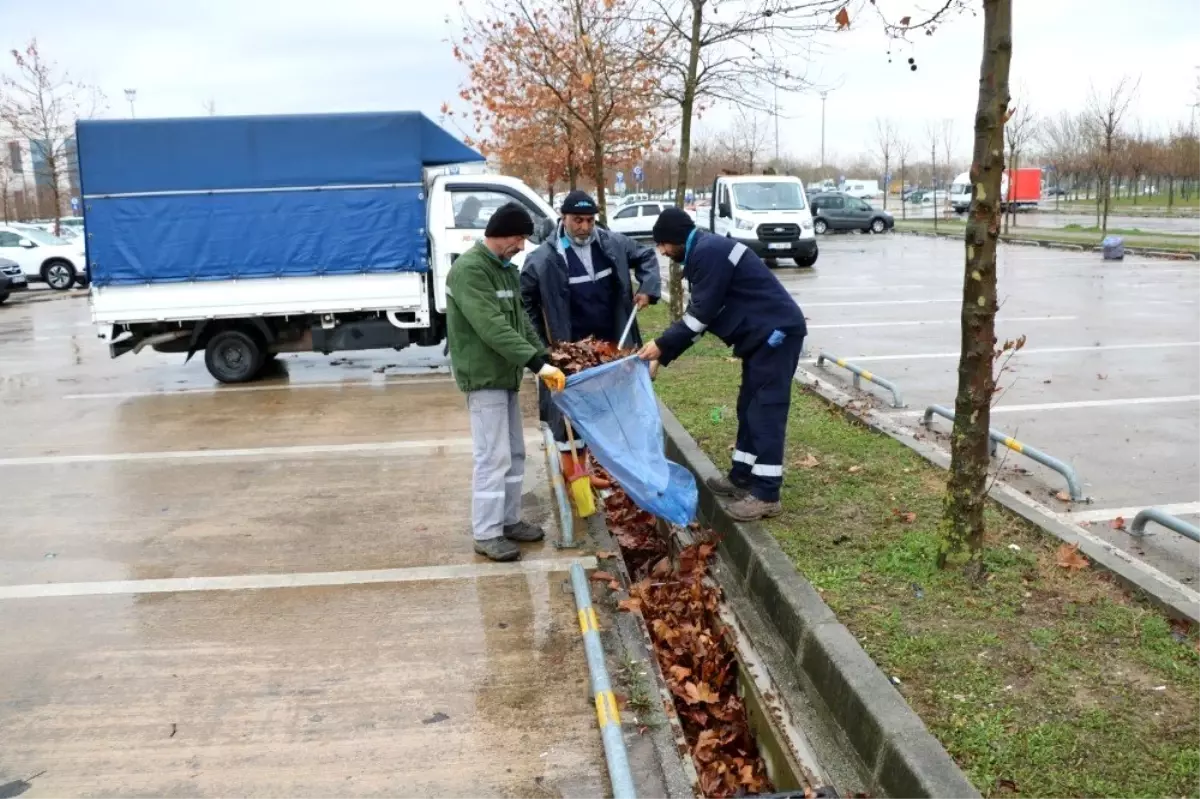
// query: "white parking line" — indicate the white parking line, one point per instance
point(921, 356)
point(404, 381)
point(427, 446)
point(1104, 514)
point(242, 582)
point(940, 322)
point(875, 287)
point(1062, 406)
point(875, 302)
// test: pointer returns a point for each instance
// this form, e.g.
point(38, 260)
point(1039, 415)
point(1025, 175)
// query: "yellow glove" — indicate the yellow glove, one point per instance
point(553, 377)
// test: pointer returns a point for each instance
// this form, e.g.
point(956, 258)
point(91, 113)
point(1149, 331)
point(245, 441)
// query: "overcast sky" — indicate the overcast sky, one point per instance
point(268, 56)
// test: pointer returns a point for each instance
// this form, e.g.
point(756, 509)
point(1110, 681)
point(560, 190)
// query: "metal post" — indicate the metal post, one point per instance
point(607, 714)
point(131, 95)
point(823, 96)
point(565, 515)
point(776, 126)
point(1166, 520)
point(859, 372)
point(1074, 486)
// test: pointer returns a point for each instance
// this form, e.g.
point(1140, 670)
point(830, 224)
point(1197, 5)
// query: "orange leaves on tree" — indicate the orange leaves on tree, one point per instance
point(842, 18)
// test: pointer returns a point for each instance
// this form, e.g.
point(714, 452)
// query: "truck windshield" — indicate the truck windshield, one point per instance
point(771, 195)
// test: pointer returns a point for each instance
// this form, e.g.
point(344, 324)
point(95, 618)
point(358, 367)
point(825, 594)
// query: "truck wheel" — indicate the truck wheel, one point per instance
point(3, 297)
point(233, 356)
point(820, 227)
point(806, 260)
point(877, 226)
point(59, 274)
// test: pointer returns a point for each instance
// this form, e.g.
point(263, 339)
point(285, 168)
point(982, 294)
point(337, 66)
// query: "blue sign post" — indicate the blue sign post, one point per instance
point(75, 204)
point(638, 175)
point(620, 187)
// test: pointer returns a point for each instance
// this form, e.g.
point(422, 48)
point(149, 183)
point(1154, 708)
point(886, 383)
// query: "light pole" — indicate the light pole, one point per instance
point(131, 95)
point(823, 96)
point(776, 127)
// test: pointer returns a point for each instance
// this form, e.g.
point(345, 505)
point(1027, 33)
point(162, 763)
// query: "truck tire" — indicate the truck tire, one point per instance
point(806, 260)
point(233, 356)
point(3, 297)
point(59, 274)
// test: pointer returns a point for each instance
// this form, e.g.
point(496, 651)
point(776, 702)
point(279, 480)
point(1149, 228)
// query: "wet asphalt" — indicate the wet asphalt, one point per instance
point(1108, 379)
point(443, 675)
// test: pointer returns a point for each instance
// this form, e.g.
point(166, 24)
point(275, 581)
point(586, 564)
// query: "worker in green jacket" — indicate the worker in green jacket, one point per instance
point(492, 342)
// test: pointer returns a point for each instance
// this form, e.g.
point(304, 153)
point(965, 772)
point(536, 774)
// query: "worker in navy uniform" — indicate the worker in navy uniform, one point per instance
point(578, 283)
point(737, 298)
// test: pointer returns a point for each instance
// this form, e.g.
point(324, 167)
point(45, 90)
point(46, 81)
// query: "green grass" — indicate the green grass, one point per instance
point(1073, 234)
point(1153, 202)
point(1037, 678)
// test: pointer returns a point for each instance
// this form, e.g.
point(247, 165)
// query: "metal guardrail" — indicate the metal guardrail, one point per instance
point(1166, 520)
point(1074, 486)
point(608, 716)
point(566, 517)
point(859, 372)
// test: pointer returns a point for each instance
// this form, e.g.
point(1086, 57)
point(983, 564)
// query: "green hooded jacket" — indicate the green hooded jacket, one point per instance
point(491, 338)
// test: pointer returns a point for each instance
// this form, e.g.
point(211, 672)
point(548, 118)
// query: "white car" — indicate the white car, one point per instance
point(43, 256)
point(637, 219)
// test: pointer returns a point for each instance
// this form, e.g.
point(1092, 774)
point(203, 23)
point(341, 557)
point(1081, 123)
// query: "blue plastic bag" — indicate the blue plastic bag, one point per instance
point(614, 408)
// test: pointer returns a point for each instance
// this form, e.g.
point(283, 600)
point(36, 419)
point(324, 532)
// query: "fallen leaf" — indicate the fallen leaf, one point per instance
point(680, 672)
point(1069, 558)
point(906, 516)
point(1117, 523)
point(1063, 495)
point(662, 568)
point(601, 577)
point(603, 555)
point(842, 18)
point(855, 469)
point(695, 694)
point(613, 585)
point(809, 461)
point(631, 605)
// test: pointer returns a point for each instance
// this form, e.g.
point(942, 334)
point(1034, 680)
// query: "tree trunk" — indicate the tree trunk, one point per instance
point(903, 202)
point(550, 190)
point(966, 491)
point(1170, 191)
point(1107, 191)
point(933, 183)
point(685, 149)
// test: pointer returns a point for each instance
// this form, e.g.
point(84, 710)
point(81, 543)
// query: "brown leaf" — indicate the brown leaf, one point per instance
point(604, 555)
point(1063, 496)
point(906, 516)
point(680, 672)
point(855, 469)
point(662, 568)
point(1117, 523)
point(601, 577)
point(1069, 558)
point(904, 21)
point(613, 585)
point(809, 461)
point(631, 605)
point(842, 18)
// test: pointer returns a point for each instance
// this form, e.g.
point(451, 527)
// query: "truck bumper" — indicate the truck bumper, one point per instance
point(805, 249)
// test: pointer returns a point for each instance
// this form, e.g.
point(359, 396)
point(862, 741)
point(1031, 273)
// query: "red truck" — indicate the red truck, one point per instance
point(1024, 192)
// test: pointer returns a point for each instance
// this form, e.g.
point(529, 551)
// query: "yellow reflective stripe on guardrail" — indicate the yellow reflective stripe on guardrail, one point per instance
point(1014, 445)
point(588, 620)
point(606, 709)
point(866, 375)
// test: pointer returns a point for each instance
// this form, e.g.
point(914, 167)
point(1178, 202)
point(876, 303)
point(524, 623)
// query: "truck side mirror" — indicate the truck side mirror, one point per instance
point(543, 230)
point(724, 211)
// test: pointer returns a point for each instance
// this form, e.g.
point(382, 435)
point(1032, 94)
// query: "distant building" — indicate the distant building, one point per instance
point(26, 181)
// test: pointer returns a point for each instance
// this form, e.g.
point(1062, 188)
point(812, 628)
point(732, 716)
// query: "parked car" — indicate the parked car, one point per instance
point(836, 210)
point(11, 278)
point(636, 219)
point(43, 256)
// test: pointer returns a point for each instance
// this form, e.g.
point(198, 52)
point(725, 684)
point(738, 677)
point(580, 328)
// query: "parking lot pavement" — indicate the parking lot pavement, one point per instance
point(1108, 378)
point(268, 589)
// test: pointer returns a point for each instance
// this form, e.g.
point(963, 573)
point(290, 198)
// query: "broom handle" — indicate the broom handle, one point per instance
point(628, 327)
point(570, 432)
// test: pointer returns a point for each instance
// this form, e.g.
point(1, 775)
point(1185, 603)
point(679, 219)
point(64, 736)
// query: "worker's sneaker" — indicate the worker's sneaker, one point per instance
point(523, 531)
point(500, 549)
point(724, 487)
point(751, 509)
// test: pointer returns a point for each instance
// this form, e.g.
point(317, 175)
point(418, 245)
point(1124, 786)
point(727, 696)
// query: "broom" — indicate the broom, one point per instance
point(578, 480)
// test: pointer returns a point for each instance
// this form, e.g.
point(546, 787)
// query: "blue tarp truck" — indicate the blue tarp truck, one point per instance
point(244, 237)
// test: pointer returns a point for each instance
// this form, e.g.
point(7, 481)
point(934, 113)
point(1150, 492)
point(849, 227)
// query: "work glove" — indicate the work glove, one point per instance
point(552, 377)
point(777, 337)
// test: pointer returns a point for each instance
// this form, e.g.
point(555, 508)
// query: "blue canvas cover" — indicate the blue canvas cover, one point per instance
point(614, 407)
point(219, 198)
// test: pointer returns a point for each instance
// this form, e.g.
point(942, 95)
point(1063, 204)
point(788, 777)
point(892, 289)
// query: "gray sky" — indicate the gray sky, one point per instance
point(269, 56)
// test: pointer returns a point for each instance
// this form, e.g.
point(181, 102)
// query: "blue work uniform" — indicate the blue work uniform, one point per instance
point(737, 298)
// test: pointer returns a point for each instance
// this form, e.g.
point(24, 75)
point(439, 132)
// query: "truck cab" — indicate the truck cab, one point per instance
point(767, 213)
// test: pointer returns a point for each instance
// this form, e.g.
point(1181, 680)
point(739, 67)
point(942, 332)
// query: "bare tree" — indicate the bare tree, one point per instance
point(885, 146)
point(932, 138)
point(210, 107)
point(1107, 113)
point(1019, 133)
point(725, 52)
point(40, 104)
point(904, 151)
point(747, 139)
point(1059, 138)
point(949, 144)
point(966, 491)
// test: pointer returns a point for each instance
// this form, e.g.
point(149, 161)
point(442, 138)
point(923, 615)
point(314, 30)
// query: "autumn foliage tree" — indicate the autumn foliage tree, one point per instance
point(560, 82)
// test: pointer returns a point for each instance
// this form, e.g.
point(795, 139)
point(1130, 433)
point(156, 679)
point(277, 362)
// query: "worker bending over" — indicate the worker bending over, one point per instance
point(579, 283)
point(491, 343)
point(737, 298)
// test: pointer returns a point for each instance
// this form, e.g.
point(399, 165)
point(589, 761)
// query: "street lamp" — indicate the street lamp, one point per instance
point(131, 95)
point(823, 96)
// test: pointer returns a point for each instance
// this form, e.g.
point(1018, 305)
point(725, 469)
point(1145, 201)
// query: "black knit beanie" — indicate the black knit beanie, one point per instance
point(510, 219)
point(579, 202)
point(674, 225)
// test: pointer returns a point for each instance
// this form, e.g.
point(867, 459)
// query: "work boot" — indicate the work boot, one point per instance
point(750, 509)
point(523, 531)
point(498, 549)
point(724, 487)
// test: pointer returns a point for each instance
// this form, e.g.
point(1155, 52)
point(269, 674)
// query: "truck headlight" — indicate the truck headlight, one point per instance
point(743, 224)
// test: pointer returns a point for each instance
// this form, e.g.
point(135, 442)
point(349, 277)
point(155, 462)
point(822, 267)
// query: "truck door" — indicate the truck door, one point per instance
point(722, 209)
point(458, 216)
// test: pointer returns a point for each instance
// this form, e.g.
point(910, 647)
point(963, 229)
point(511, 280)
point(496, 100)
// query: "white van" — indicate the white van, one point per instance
point(767, 213)
point(862, 189)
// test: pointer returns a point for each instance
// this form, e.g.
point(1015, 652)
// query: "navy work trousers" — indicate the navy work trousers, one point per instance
point(762, 412)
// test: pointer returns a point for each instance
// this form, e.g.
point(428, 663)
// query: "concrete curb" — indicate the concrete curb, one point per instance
point(898, 753)
point(1173, 255)
point(1169, 594)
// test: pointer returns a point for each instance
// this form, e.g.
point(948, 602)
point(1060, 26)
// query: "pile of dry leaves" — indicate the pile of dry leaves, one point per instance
point(575, 356)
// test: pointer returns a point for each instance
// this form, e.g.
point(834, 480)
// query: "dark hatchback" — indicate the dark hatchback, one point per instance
point(833, 210)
